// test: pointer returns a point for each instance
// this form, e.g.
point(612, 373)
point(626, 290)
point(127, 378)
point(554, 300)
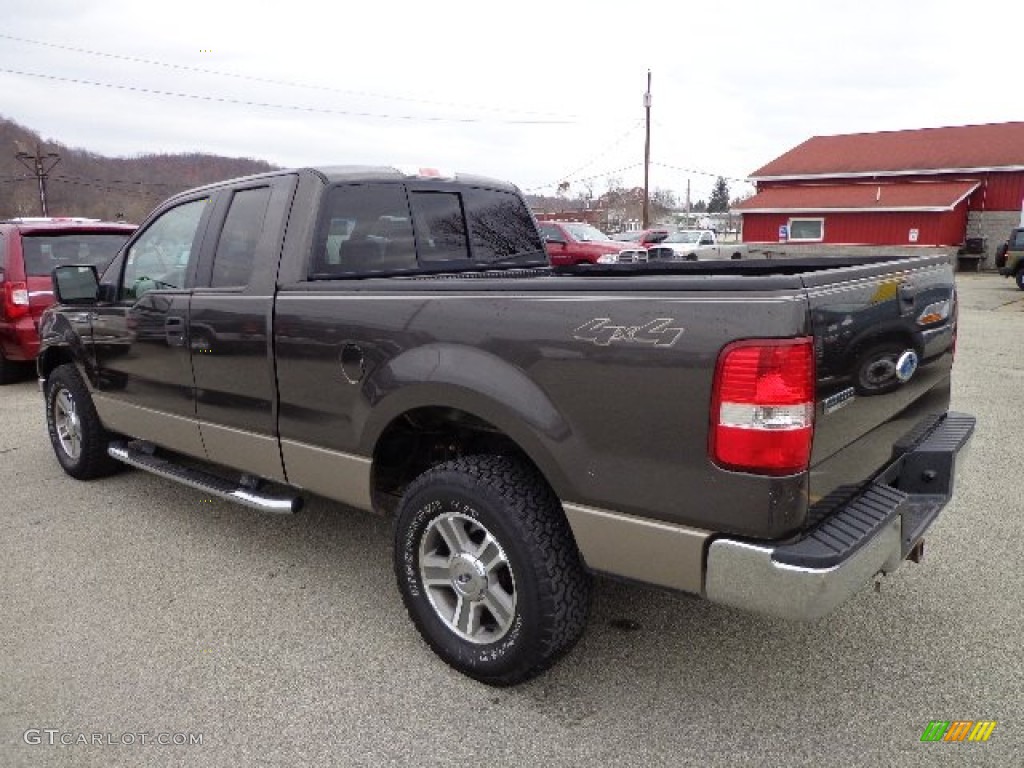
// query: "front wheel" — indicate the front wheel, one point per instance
point(488, 568)
point(78, 438)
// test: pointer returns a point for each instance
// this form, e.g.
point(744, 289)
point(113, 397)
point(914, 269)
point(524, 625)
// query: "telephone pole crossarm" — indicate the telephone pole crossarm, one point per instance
point(40, 164)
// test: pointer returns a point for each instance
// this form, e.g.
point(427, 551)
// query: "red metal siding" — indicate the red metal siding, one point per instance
point(999, 191)
point(872, 228)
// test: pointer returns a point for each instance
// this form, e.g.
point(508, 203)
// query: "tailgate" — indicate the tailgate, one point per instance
point(884, 339)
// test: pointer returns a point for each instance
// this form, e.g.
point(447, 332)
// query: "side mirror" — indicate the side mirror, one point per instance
point(76, 285)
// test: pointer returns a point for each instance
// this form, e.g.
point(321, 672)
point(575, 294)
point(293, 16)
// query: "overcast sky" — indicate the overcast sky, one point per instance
point(535, 93)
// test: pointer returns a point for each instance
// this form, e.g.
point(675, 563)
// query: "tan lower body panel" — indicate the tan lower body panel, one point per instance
point(336, 475)
point(179, 433)
point(244, 451)
point(648, 551)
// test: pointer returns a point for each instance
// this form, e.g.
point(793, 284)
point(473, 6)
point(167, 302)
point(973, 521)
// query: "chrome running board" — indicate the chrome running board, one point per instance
point(203, 481)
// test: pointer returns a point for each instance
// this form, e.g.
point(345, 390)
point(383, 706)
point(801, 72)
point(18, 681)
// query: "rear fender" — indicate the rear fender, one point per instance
point(476, 382)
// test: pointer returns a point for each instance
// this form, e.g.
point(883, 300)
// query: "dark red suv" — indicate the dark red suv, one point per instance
point(29, 250)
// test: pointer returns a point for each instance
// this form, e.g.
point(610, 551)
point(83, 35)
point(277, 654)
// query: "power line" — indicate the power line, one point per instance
point(600, 175)
point(120, 181)
point(609, 173)
point(246, 103)
point(591, 161)
point(696, 172)
point(108, 188)
point(287, 83)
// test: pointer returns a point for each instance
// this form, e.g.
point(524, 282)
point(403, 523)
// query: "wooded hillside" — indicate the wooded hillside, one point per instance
point(84, 183)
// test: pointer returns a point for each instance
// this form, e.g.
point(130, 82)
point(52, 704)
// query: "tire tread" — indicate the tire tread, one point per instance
point(563, 582)
point(94, 461)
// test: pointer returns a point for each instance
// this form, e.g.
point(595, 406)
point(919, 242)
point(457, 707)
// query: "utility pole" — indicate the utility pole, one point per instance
point(647, 155)
point(41, 165)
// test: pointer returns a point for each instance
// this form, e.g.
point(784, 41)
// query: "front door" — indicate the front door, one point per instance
point(144, 382)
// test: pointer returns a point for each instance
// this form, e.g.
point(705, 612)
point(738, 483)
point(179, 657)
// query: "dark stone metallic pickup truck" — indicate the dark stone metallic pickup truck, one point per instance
point(770, 435)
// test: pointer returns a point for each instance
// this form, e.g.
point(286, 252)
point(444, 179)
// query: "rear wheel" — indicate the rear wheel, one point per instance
point(488, 569)
point(78, 438)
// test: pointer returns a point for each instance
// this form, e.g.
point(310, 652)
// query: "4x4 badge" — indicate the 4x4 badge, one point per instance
point(659, 333)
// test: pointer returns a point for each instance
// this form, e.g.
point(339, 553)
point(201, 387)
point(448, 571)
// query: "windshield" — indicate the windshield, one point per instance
point(585, 233)
point(44, 252)
point(682, 237)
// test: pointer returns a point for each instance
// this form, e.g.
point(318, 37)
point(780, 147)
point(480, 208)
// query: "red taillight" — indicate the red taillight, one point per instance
point(15, 300)
point(762, 406)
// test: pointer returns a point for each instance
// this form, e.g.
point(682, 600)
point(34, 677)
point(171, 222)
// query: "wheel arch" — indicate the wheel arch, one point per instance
point(52, 357)
point(458, 400)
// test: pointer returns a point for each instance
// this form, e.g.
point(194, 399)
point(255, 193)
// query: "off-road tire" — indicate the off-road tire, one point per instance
point(91, 459)
point(508, 500)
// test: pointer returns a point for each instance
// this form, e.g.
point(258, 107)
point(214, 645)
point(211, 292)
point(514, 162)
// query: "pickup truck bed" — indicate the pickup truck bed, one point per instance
point(765, 435)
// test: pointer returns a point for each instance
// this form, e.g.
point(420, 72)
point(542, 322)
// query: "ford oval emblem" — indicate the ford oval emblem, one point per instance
point(906, 366)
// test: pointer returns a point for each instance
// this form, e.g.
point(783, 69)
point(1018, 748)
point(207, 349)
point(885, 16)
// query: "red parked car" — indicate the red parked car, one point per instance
point(575, 242)
point(29, 250)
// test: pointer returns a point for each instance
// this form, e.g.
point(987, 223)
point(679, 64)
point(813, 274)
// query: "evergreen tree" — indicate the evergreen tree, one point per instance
point(719, 202)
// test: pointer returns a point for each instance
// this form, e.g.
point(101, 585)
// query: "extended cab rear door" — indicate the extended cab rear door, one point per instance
point(230, 326)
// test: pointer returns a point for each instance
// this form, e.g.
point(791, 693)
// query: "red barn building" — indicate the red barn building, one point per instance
point(948, 187)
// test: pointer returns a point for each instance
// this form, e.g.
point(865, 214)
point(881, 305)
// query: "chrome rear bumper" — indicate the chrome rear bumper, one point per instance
point(872, 534)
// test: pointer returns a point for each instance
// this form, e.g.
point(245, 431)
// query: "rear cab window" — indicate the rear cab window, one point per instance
point(364, 228)
point(386, 227)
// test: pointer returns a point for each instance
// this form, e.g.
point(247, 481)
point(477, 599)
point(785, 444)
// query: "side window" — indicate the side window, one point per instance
point(1018, 240)
point(812, 230)
point(549, 230)
point(161, 255)
point(236, 247)
point(500, 226)
point(440, 226)
point(366, 228)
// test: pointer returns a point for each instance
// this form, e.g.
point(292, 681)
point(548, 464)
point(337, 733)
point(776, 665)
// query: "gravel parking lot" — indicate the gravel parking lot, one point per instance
point(134, 606)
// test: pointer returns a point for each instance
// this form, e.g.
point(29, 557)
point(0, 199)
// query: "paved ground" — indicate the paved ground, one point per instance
point(132, 606)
